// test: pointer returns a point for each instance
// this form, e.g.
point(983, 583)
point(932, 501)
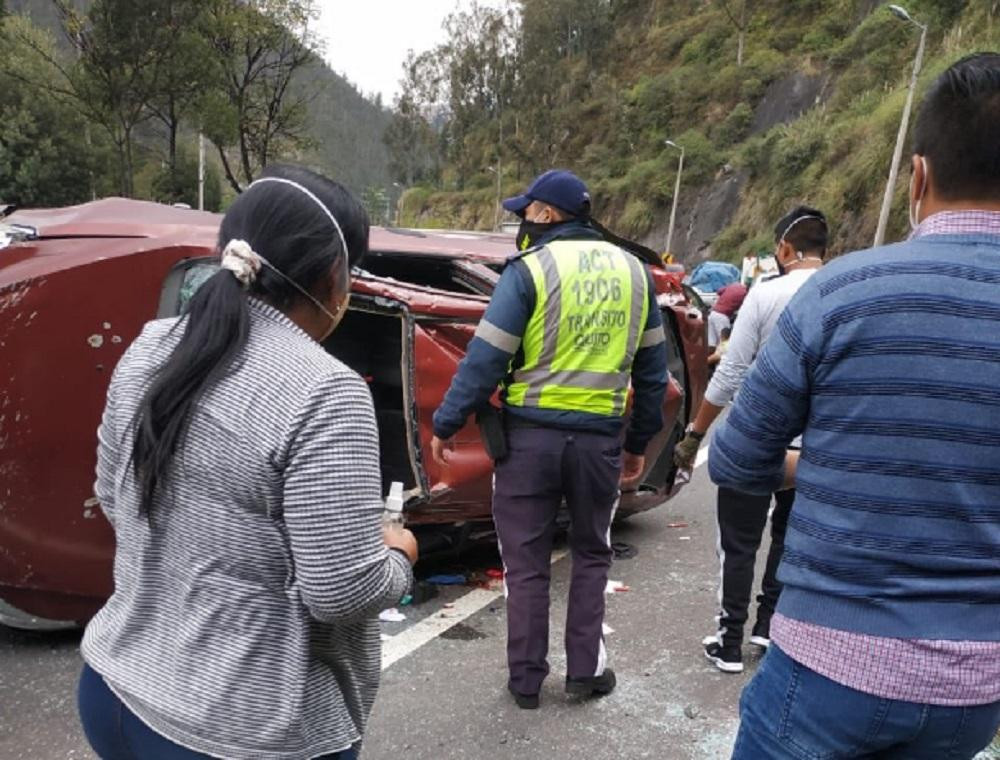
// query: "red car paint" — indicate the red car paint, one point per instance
point(74, 298)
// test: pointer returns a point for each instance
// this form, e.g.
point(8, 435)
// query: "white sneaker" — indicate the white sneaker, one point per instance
point(761, 641)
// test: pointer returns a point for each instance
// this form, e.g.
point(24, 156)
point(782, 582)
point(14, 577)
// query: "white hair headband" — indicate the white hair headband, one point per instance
point(796, 221)
point(316, 200)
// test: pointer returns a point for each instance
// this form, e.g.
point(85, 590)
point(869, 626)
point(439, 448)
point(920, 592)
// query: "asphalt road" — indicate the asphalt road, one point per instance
point(446, 698)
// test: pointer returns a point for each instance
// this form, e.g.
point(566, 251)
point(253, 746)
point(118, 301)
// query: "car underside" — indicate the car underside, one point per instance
point(76, 286)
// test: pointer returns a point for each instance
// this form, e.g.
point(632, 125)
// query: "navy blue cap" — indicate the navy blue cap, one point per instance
point(557, 187)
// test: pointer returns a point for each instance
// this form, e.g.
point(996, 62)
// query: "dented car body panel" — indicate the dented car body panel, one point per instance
point(74, 297)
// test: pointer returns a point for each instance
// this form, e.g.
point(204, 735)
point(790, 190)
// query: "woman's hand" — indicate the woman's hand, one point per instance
point(398, 537)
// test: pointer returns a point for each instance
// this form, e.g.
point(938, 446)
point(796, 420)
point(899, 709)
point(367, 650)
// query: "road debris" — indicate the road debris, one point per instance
point(422, 592)
point(391, 615)
point(616, 587)
point(447, 579)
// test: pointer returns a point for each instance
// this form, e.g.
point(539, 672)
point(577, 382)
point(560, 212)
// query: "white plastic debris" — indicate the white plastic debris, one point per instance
point(393, 514)
point(391, 615)
point(615, 587)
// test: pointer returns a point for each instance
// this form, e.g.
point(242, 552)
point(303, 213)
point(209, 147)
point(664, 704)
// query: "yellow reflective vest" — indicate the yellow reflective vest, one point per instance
point(592, 301)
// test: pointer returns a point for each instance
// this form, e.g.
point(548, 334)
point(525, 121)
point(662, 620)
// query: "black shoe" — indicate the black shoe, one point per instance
point(761, 635)
point(592, 686)
point(524, 701)
point(727, 659)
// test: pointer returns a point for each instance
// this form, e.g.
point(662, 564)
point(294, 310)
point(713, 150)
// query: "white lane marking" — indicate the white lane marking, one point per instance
point(702, 456)
point(428, 629)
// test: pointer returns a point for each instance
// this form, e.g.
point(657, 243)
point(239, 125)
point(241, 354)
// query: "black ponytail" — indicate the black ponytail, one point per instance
point(295, 235)
point(215, 331)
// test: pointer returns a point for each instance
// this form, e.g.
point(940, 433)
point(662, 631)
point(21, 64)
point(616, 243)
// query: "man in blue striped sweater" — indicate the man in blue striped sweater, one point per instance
point(886, 640)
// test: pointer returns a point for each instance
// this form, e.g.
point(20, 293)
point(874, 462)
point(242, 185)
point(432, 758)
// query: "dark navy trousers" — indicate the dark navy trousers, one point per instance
point(543, 467)
point(115, 733)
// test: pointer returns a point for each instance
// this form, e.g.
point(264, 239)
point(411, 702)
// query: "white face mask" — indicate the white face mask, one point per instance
point(915, 207)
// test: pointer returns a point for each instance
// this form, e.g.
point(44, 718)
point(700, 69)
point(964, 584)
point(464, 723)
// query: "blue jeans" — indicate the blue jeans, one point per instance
point(115, 733)
point(791, 712)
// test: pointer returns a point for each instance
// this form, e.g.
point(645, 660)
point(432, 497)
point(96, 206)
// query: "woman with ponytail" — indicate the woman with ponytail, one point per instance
point(238, 463)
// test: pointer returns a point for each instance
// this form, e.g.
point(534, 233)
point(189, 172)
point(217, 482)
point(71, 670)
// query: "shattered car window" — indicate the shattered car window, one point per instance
point(16, 233)
point(194, 278)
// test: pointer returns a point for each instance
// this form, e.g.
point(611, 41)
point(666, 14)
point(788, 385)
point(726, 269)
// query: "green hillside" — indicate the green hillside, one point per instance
point(809, 115)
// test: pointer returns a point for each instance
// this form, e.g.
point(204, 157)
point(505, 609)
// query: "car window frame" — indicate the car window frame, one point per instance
point(170, 291)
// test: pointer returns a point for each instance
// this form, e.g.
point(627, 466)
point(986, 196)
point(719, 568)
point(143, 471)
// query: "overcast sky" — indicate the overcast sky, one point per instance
point(367, 40)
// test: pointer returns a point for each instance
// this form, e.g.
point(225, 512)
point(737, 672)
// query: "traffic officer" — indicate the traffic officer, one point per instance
point(572, 325)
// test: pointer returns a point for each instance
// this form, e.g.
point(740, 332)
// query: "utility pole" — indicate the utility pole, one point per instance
point(677, 192)
point(201, 171)
point(883, 218)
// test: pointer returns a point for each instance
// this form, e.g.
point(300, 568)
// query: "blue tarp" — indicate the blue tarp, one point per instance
point(709, 276)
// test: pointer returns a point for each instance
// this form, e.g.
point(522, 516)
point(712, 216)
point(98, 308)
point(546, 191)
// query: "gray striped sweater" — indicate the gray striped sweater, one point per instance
point(243, 620)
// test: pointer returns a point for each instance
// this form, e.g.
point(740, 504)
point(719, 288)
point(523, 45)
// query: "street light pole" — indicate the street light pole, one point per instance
point(677, 191)
point(883, 218)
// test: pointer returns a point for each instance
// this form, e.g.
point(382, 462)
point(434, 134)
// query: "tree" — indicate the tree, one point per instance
point(413, 142)
point(506, 85)
point(117, 69)
point(97, 82)
point(186, 68)
point(738, 17)
point(46, 155)
point(253, 114)
point(478, 65)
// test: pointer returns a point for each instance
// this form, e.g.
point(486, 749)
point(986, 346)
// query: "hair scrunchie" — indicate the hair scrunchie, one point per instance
point(240, 259)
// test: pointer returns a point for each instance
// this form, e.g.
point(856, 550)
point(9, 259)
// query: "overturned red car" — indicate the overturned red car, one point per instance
point(76, 286)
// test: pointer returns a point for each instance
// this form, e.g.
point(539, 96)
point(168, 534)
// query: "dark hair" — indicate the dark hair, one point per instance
point(726, 332)
point(805, 228)
point(958, 129)
point(289, 229)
